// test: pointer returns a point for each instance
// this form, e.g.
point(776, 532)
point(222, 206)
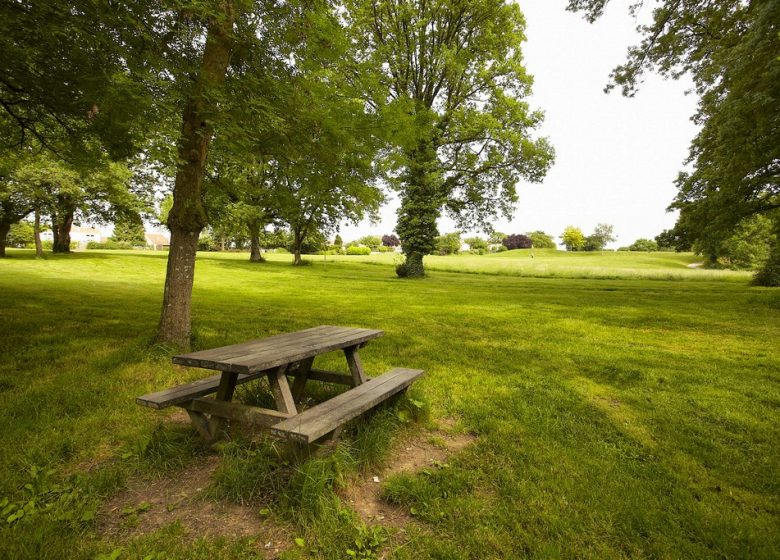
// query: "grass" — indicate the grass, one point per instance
point(551, 263)
point(628, 417)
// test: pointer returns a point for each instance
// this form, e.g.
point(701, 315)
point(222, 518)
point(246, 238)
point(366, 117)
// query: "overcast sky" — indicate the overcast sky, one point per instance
point(616, 158)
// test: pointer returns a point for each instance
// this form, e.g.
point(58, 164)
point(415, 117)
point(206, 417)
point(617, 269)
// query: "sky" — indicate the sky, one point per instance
point(616, 158)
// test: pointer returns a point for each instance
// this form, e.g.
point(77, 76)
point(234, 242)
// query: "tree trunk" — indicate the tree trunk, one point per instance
point(187, 217)
point(414, 265)
point(297, 242)
point(5, 227)
point(37, 235)
point(254, 243)
point(419, 210)
point(60, 225)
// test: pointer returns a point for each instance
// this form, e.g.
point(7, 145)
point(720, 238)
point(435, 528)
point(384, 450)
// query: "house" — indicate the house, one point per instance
point(157, 241)
point(79, 235)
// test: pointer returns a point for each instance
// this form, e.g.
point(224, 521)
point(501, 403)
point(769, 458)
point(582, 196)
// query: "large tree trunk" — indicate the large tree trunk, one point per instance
point(419, 210)
point(187, 217)
point(61, 223)
point(297, 242)
point(254, 243)
point(37, 234)
point(5, 227)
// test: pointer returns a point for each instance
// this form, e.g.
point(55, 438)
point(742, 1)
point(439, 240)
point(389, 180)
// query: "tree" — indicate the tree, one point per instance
point(391, 240)
point(477, 244)
point(20, 235)
point(371, 241)
point(517, 241)
point(602, 235)
point(573, 238)
point(644, 245)
point(673, 239)
point(730, 50)
point(540, 240)
point(448, 244)
point(496, 237)
point(338, 242)
point(129, 228)
point(455, 85)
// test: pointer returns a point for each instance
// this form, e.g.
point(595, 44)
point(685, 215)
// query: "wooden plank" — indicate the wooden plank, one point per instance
point(188, 391)
point(281, 390)
point(284, 340)
point(227, 386)
point(251, 415)
point(268, 353)
point(327, 376)
point(319, 420)
point(355, 366)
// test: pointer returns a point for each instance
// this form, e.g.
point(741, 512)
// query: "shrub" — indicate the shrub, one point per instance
point(769, 274)
point(110, 244)
point(517, 241)
point(401, 270)
point(357, 250)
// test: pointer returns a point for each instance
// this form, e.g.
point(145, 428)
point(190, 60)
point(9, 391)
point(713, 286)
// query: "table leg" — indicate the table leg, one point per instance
point(355, 365)
point(277, 379)
point(301, 375)
point(227, 386)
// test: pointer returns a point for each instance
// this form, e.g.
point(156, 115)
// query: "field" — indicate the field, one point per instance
point(618, 406)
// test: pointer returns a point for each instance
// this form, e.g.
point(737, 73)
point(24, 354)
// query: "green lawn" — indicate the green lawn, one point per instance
point(550, 263)
point(621, 417)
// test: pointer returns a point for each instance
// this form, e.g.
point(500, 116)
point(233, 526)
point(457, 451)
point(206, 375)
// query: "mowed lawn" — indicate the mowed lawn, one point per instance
point(614, 418)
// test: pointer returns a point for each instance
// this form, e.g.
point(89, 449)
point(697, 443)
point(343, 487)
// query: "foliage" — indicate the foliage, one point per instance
point(476, 244)
point(391, 240)
point(337, 241)
point(357, 250)
point(646, 245)
point(601, 236)
point(111, 244)
point(540, 240)
point(749, 246)
point(517, 241)
point(496, 238)
point(730, 49)
point(373, 242)
point(769, 274)
point(448, 244)
point(673, 239)
point(451, 85)
point(20, 235)
point(129, 228)
point(573, 238)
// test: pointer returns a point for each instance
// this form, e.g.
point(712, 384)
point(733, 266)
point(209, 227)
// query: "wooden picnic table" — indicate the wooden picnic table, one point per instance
point(278, 358)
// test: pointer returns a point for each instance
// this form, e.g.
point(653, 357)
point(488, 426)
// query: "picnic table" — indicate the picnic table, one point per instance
point(279, 358)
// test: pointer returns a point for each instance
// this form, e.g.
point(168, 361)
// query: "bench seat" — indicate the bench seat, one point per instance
point(319, 420)
point(188, 391)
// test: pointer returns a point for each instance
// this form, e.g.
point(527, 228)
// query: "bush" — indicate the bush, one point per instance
point(501, 249)
point(517, 241)
point(401, 270)
point(477, 244)
point(769, 274)
point(110, 244)
point(356, 250)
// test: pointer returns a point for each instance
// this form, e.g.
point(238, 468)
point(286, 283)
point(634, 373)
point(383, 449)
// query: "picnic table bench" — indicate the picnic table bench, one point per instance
point(278, 358)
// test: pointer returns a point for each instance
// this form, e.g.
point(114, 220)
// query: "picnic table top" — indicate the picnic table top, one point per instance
point(266, 353)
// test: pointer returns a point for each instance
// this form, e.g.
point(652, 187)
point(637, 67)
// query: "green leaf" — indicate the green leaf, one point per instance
point(300, 542)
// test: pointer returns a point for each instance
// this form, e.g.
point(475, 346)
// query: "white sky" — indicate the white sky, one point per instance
point(616, 158)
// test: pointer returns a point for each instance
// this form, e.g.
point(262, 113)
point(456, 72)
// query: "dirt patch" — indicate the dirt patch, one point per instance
point(411, 455)
point(149, 505)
